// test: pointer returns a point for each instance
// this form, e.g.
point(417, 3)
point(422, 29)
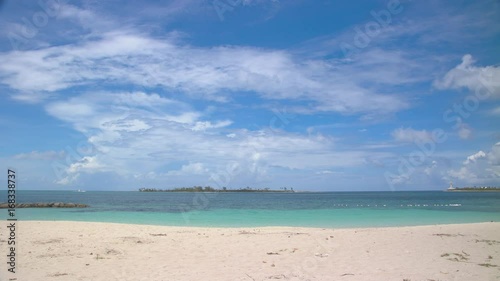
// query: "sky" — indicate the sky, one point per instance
point(313, 95)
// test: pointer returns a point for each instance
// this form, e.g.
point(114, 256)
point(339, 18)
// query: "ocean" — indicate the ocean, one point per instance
point(307, 209)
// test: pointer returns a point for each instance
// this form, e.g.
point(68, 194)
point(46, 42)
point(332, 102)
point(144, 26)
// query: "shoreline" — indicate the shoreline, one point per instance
point(264, 226)
point(115, 251)
point(341, 218)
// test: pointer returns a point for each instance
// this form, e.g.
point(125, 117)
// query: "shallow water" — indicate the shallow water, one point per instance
point(325, 209)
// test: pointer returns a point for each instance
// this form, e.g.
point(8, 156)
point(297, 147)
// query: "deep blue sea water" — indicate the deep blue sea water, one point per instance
point(322, 209)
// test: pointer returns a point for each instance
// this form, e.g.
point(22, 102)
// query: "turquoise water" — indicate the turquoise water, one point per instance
point(329, 209)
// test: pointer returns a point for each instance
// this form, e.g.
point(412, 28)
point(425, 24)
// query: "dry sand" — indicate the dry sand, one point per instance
point(104, 251)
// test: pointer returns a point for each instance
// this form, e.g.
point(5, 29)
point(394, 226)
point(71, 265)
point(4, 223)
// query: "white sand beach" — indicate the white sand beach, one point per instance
point(105, 251)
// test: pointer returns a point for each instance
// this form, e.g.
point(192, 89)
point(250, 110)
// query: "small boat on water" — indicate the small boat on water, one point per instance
point(79, 190)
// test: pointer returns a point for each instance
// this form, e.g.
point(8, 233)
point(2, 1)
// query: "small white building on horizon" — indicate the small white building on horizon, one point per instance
point(451, 186)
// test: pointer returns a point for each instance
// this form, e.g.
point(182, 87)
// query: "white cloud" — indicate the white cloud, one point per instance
point(87, 164)
point(41, 155)
point(130, 125)
point(410, 135)
point(72, 110)
point(464, 131)
point(484, 81)
point(430, 169)
point(191, 169)
point(205, 125)
point(479, 168)
point(328, 172)
point(494, 155)
point(472, 159)
point(127, 58)
point(399, 179)
point(104, 109)
point(137, 141)
point(463, 174)
point(67, 180)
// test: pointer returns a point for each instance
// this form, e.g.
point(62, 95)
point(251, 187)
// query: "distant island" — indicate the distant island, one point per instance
point(474, 189)
point(211, 189)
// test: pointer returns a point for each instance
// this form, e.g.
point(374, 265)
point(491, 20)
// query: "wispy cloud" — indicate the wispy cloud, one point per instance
point(125, 57)
point(41, 155)
point(410, 135)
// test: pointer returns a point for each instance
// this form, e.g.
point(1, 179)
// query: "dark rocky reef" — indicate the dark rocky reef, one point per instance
point(45, 205)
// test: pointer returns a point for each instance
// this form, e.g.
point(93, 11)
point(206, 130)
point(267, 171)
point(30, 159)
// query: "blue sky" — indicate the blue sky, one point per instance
point(314, 95)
